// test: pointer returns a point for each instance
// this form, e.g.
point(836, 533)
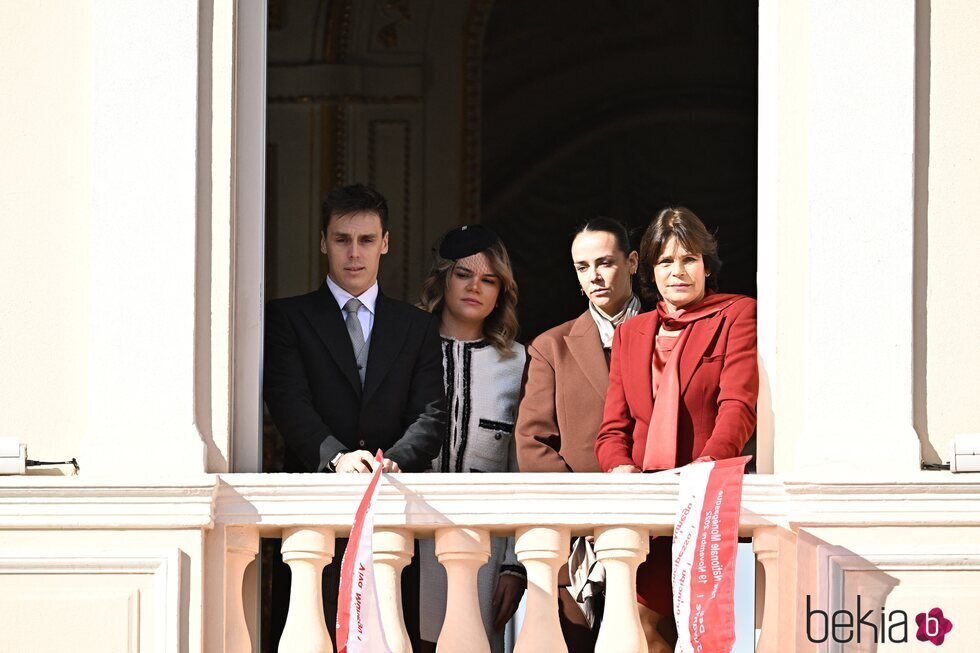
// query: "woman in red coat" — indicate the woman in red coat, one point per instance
point(683, 382)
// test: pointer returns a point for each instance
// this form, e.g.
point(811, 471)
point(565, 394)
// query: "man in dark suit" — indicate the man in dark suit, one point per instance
point(333, 405)
point(349, 370)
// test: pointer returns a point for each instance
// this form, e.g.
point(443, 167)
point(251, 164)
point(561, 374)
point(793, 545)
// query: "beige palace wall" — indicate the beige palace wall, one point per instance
point(953, 295)
point(107, 257)
point(105, 252)
point(61, 268)
point(45, 222)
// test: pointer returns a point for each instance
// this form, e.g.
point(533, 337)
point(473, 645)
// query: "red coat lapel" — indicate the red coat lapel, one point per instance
point(639, 355)
point(702, 334)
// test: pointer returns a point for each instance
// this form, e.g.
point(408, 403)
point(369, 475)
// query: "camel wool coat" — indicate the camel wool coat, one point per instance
point(563, 397)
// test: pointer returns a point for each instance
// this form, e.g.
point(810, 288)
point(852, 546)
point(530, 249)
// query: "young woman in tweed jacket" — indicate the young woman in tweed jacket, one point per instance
point(471, 287)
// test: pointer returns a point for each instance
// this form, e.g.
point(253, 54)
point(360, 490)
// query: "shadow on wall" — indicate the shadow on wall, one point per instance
point(821, 594)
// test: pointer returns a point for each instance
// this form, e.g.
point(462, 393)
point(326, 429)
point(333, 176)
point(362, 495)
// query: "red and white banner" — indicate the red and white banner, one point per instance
point(705, 545)
point(359, 627)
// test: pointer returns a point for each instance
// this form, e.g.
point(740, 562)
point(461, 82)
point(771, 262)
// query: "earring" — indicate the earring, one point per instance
point(582, 290)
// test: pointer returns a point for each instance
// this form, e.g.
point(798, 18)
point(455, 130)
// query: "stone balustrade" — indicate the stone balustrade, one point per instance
point(197, 539)
point(461, 513)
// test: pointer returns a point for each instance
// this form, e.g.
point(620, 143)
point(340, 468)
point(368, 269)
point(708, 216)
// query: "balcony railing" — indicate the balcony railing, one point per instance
point(216, 521)
point(462, 512)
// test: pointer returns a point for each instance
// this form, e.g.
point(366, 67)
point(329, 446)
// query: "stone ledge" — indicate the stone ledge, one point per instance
point(499, 502)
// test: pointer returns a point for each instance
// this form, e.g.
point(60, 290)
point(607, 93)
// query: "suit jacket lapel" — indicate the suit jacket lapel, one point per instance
point(586, 348)
point(387, 339)
point(703, 332)
point(324, 315)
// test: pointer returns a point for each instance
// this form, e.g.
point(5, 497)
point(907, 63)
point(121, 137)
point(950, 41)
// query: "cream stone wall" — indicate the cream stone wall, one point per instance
point(45, 223)
point(118, 196)
point(783, 224)
point(115, 257)
point(953, 299)
point(936, 304)
point(837, 219)
point(117, 214)
point(102, 590)
point(903, 569)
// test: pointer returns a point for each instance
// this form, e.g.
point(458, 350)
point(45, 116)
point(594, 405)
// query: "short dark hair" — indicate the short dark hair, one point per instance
point(355, 198)
point(680, 223)
point(609, 225)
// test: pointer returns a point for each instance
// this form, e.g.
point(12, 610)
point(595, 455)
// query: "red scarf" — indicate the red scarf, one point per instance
point(661, 446)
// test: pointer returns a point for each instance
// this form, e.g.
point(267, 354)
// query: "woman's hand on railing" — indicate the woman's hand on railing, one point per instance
point(506, 598)
point(625, 469)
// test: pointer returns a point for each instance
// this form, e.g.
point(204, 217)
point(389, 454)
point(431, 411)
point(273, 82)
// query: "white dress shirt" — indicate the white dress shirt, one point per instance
point(369, 299)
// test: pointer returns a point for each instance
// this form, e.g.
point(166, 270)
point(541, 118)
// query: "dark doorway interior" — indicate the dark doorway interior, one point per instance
point(619, 108)
point(613, 107)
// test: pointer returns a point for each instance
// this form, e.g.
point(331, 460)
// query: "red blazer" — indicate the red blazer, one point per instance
point(719, 377)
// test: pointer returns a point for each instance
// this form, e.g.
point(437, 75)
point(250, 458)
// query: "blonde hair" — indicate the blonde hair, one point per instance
point(500, 327)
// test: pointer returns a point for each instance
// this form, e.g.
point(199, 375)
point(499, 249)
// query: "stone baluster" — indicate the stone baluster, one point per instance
point(393, 549)
point(621, 549)
point(462, 551)
point(775, 549)
point(241, 547)
point(542, 551)
point(307, 550)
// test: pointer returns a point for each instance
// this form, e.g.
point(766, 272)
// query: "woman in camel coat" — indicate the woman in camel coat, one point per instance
point(565, 384)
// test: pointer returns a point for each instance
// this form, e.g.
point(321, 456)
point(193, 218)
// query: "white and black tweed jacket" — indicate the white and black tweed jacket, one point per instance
point(482, 393)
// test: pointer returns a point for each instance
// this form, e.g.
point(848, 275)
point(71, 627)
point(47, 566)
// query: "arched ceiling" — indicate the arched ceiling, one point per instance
point(616, 107)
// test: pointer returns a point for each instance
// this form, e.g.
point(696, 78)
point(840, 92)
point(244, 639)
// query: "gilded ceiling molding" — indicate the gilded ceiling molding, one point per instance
point(406, 235)
point(387, 36)
point(374, 100)
point(333, 116)
point(475, 29)
point(333, 154)
point(336, 40)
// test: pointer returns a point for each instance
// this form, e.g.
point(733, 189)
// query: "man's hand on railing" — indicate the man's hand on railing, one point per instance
point(390, 466)
point(362, 462)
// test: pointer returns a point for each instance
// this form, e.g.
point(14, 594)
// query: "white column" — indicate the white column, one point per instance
point(462, 551)
point(857, 368)
point(248, 229)
point(774, 548)
point(621, 549)
point(543, 551)
point(393, 550)
point(767, 230)
point(149, 385)
point(307, 550)
point(241, 546)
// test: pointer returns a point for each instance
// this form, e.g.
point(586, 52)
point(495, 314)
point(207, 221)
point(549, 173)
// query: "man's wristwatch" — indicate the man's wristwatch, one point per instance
point(332, 465)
